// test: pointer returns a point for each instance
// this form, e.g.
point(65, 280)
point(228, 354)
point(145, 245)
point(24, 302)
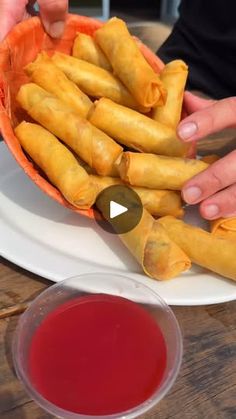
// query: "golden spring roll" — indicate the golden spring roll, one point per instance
point(173, 77)
point(58, 163)
point(46, 74)
point(129, 64)
point(157, 172)
point(210, 158)
point(159, 256)
point(95, 81)
point(203, 248)
point(157, 203)
point(224, 227)
point(85, 48)
point(93, 146)
point(135, 130)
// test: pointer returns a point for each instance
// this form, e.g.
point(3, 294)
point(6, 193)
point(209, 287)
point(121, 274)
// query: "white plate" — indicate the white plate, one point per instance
point(45, 238)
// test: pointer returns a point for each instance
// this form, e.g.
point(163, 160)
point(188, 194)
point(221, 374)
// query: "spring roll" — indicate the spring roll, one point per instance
point(58, 163)
point(157, 172)
point(129, 64)
point(157, 203)
point(95, 81)
point(224, 227)
point(214, 253)
point(159, 256)
point(85, 48)
point(135, 130)
point(46, 74)
point(93, 146)
point(173, 77)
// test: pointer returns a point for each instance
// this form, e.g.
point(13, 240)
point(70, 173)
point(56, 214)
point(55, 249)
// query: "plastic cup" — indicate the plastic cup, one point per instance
point(90, 284)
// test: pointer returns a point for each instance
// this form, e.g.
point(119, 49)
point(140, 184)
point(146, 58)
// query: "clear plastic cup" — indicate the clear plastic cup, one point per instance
point(98, 283)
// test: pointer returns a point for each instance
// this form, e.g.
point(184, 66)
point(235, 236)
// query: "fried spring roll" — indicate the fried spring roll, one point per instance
point(157, 203)
point(85, 48)
point(93, 146)
point(46, 74)
point(129, 64)
point(203, 248)
point(224, 227)
point(59, 164)
point(135, 130)
point(159, 256)
point(95, 81)
point(157, 172)
point(173, 77)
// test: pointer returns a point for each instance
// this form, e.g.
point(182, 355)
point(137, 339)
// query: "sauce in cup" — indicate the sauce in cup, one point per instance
point(99, 346)
point(97, 355)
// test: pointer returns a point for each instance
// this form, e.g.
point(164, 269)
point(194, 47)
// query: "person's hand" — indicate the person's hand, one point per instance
point(215, 188)
point(52, 12)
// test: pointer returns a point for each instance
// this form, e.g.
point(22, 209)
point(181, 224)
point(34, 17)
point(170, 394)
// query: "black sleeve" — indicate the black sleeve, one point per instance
point(205, 38)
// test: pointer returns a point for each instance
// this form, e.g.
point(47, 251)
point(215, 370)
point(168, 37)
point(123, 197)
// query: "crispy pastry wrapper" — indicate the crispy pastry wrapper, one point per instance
point(21, 47)
point(47, 75)
point(85, 48)
point(91, 144)
point(158, 255)
point(173, 77)
point(157, 172)
point(158, 203)
point(224, 227)
point(135, 130)
point(58, 163)
point(203, 248)
point(95, 81)
point(129, 64)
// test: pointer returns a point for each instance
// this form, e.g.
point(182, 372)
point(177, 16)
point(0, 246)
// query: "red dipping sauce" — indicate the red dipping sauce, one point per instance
point(97, 355)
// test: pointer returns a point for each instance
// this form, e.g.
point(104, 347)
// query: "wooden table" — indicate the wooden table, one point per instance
point(205, 388)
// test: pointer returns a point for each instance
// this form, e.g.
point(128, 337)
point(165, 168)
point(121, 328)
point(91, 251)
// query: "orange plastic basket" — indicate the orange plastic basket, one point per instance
point(20, 47)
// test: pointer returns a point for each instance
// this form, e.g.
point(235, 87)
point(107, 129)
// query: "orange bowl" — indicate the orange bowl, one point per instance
point(19, 48)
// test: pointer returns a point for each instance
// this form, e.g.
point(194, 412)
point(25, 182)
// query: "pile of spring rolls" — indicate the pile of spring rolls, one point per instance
point(103, 117)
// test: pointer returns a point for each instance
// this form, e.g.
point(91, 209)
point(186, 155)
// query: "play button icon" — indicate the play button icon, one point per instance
point(120, 207)
point(116, 209)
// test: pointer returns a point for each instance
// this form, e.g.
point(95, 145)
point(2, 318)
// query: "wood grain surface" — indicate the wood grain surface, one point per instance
point(205, 388)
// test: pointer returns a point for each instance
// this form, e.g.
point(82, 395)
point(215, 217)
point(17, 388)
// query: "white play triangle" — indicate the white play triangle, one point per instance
point(116, 209)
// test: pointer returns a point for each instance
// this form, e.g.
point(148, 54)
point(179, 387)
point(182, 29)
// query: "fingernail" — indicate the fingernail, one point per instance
point(56, 29)
point(211, 210)
point(192, 194)
point(186, 131)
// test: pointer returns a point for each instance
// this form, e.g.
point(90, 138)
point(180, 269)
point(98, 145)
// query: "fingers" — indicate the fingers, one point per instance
point(193, 103)
point(53, 14)
point(11, 12)
point(217, 116)
point(216, 177)
point(222, 204)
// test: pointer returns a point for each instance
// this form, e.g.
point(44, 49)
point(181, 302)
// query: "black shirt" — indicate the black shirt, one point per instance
point(205, 38)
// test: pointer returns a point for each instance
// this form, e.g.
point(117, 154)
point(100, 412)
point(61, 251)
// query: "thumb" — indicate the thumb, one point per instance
point(11, 12)
point(214, 118)
point(53, 14)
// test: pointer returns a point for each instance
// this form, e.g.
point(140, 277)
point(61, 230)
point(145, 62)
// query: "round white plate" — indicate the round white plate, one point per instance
point(45, 238)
